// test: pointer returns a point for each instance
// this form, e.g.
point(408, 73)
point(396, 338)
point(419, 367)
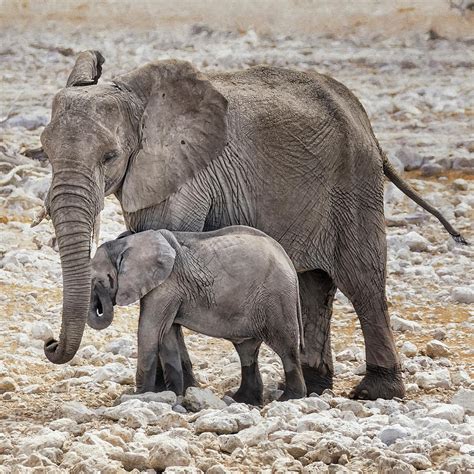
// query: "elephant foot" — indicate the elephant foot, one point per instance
point(317, 379)
point(249, 396)
point(188, 379)
point(380, 382)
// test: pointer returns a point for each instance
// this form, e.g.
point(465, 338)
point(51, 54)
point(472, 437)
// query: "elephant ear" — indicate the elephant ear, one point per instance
point(145, 262)
point(87, 70)
point(183, 128)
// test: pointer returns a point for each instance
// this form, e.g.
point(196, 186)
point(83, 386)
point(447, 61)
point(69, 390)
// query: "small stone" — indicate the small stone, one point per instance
point(7, 384)
point(409, 349)
point(465, 398)
point(460, 184)
point(169, 452)
point(217, 469)
point(78, 412)
point(435, 379)
point(404, 325)
point(394, 466)
point(286, 465)
point(41, 330)
point(65, 424)
point(416, 242)
point(458, 464)
point(436, 348)
point(115, 372)
point(453, 413)
point(463, 294)
point(390, 434)
point(162, 397)
point(122, 346)
point(431, 169)
point(45, 439)
point(410, 158)
point(197, 399)
point(179, 409)
point(229, 443)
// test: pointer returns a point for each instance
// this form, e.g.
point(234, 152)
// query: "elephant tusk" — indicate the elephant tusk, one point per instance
point(40, 216)
point(95, 234)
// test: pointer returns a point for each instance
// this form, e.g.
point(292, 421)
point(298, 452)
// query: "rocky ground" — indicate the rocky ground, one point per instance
point(70, 419)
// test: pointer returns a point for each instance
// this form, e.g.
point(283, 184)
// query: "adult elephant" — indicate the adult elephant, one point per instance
point(290, 153)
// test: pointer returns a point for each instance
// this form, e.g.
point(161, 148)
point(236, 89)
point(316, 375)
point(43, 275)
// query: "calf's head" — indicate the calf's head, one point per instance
point(125, 270)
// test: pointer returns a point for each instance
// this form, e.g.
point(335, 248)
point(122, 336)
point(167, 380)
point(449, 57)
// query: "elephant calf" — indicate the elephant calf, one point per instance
point(235, 283)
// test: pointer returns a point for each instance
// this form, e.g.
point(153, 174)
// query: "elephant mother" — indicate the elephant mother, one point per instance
point(290, 153)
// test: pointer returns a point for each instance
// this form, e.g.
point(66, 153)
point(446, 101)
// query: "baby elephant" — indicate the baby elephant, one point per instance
point(236, 283)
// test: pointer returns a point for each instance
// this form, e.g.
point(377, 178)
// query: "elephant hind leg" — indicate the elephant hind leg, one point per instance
point(251, 386)
point(362, 279)
point(317, 294)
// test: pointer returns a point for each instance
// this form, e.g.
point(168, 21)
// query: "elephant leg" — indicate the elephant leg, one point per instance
point(171, 360)
point(317, 294)
point(147, 354)
point(186, 366)
point(362, 279)
point(251, 386)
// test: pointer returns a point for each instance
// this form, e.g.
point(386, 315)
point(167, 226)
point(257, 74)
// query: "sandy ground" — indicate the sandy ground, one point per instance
point(419, 95)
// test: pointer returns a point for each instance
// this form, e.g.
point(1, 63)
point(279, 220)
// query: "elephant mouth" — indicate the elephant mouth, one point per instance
point(101, 311)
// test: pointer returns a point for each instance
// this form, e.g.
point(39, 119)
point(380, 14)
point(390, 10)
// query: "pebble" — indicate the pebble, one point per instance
point(77, 412)
point(440, 378)
point(465, 398)
point(404, 325)
point(7, 384)
point(163, 397)
point(168, 452)
point(452, 413)
point(416, 242)
point(409, 349)
point(115, 372)
point(197, 399)
point(390, 434)
point(436, 348)
point(463, 294)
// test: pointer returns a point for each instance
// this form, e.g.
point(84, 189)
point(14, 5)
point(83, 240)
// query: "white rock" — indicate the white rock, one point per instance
point(458, 464)
point(169, 452)
point(41, 330)
point(197, 399)
point(78, 412)
point(65, 424)
point(46, 439)
point(387, 465)
point(229, 443)
point(7, 384)
point(122, 346)
point(328, 451)
point(438, 378)
point(453, 413)
point(87, 352)
point(390, 434)
point(115, 372)
point(416, 242)
point(404, 325)
point(436, 348)
point(162, 397)
point(465, 398)
point(409, 349)
point(216, 423)
point(463, 294)
point(137, 413)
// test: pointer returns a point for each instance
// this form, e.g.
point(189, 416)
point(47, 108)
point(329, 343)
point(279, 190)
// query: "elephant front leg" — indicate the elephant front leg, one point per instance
point(317, 292)
point(171, 361)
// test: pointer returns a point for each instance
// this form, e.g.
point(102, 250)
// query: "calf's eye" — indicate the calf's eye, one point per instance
point(109, 156)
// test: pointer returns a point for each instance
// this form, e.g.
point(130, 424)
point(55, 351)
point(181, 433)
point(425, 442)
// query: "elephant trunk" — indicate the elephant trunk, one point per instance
point(72, 211)
point(101, 312)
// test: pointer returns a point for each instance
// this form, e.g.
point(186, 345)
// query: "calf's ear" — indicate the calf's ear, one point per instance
point(145, 262)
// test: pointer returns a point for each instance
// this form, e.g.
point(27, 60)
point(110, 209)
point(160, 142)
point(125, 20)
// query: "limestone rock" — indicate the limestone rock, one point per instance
point(197, 399)
point(169, 452)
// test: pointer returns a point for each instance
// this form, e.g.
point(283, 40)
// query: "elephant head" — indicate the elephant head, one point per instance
point(125, 270)
point(141, 136)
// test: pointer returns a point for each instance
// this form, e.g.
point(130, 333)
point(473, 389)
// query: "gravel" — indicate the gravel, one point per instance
point(81, 417)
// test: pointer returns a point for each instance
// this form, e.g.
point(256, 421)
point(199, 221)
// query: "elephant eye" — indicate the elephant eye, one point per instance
point(109, 156)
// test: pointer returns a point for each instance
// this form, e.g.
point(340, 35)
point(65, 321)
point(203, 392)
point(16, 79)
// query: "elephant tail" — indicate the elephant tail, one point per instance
point(391, 173)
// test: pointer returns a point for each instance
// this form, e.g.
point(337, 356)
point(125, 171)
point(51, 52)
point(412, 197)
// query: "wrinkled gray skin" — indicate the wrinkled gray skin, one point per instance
point(234, 283)
point(290, 153)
